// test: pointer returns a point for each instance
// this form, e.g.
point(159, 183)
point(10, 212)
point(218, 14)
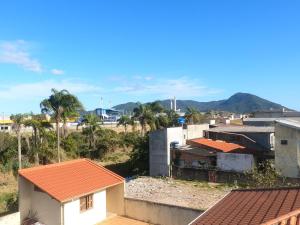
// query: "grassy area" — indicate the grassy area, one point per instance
point(115, 157)
point(8, 191)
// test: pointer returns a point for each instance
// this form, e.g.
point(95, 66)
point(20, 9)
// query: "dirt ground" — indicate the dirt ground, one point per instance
point(199, 195)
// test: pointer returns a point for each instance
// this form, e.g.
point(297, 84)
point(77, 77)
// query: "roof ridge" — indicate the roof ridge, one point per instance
point(51, 165)
point(102, 167)
point(265, 189)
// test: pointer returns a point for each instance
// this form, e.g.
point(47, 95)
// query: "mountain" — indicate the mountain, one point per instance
point(238, 103)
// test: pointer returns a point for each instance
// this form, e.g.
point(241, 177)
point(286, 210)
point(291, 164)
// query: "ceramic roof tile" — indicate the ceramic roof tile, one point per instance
point(241, 207)
point(216, 144)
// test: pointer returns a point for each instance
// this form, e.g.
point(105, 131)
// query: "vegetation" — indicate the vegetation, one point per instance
point(125, 152)
point(193, 116)
point(125, 121)
point(264, 176)
point(18, 120)
point(60, 105)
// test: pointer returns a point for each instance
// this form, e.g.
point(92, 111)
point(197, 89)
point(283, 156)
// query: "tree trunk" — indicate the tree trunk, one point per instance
point(58, 140)
point(36, 155)
point(65, 129)
point(19, 150)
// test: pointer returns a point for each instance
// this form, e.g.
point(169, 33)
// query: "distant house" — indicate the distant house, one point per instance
point(161, 141)
point(287, 148)
point(278, 206)
point(70, 193)
point(258, 137)
point(5, 124)
point(214, 154)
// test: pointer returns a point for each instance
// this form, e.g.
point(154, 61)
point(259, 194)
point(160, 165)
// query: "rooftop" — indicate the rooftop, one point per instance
point(243, 129)
point(253, 206)
point(196, 150)
point(289, 123)
point(71, 179)
point(216, 144)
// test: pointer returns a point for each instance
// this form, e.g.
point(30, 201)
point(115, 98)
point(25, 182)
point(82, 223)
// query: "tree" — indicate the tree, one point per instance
point(18, 120)
point(145, 116)
point(92, 122)
point(264, 175)
point(124, 121)
point(39, 125)
point(60, 104)
point(193, 116)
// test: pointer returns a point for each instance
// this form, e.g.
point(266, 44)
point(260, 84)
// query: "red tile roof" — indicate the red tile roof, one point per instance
point(71, 179)
point(241, 207)
point(217, 145)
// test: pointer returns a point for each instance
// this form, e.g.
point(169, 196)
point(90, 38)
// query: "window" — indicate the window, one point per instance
point(86, 202)
point(284, 142)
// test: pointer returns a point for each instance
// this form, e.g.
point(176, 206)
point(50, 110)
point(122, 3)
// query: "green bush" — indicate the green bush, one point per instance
point(263, 176)
point(9, 201)
point(139, 157)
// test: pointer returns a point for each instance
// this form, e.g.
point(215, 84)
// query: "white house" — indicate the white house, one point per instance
point(75, 192)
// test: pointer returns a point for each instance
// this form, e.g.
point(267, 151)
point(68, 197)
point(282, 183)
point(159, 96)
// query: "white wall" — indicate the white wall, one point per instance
point(38, 204)
point(287, 157)
point(73, 216)
point(115, 194)
point(159, 213)
point(235, 162)
point(196, 131)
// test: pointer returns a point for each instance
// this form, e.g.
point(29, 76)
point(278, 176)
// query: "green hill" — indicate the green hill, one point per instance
point(238, 103)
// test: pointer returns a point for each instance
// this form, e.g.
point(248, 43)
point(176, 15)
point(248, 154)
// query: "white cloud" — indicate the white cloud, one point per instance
point(39, 90)
point(139, 77)
point(57, 72)
point(182, 87)
point(17, 52)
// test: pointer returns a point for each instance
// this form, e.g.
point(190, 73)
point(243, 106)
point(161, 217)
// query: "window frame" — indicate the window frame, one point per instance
point(86, 202)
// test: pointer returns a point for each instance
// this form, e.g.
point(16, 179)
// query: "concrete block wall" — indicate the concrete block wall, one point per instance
point(159, 213)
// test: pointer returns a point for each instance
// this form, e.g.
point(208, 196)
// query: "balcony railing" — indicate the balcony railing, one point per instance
point(292, 218)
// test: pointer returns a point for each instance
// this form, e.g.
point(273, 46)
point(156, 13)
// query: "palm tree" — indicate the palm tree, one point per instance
point(18, 121)
point(92, 121)
point(38, 124)
point(145, 116)
point(124, 121)
point(60, 104)
point(193, 116)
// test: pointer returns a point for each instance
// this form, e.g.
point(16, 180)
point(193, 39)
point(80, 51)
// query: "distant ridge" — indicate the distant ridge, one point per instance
point(238, 103)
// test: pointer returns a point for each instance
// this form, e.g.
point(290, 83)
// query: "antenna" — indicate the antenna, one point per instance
point(101, 102)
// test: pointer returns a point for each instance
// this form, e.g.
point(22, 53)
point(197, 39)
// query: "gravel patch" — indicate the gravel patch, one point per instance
point(192, 194)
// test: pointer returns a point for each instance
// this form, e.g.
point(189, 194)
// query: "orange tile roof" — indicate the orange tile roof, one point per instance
point(254, 206)
point(71, 179)
point(217, 145)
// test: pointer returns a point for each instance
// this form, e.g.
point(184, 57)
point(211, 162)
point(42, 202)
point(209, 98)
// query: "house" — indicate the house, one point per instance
point(5, 124)
point(262, 137)
point(160, 142)
point(215, 154)
point(287, 148)
point(70, 193)
point(275, 206)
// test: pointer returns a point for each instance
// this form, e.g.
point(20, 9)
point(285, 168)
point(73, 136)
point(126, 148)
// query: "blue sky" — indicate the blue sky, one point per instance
point(146, 50)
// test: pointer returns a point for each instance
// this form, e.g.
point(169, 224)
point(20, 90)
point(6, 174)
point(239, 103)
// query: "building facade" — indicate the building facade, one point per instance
point(287, 148)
